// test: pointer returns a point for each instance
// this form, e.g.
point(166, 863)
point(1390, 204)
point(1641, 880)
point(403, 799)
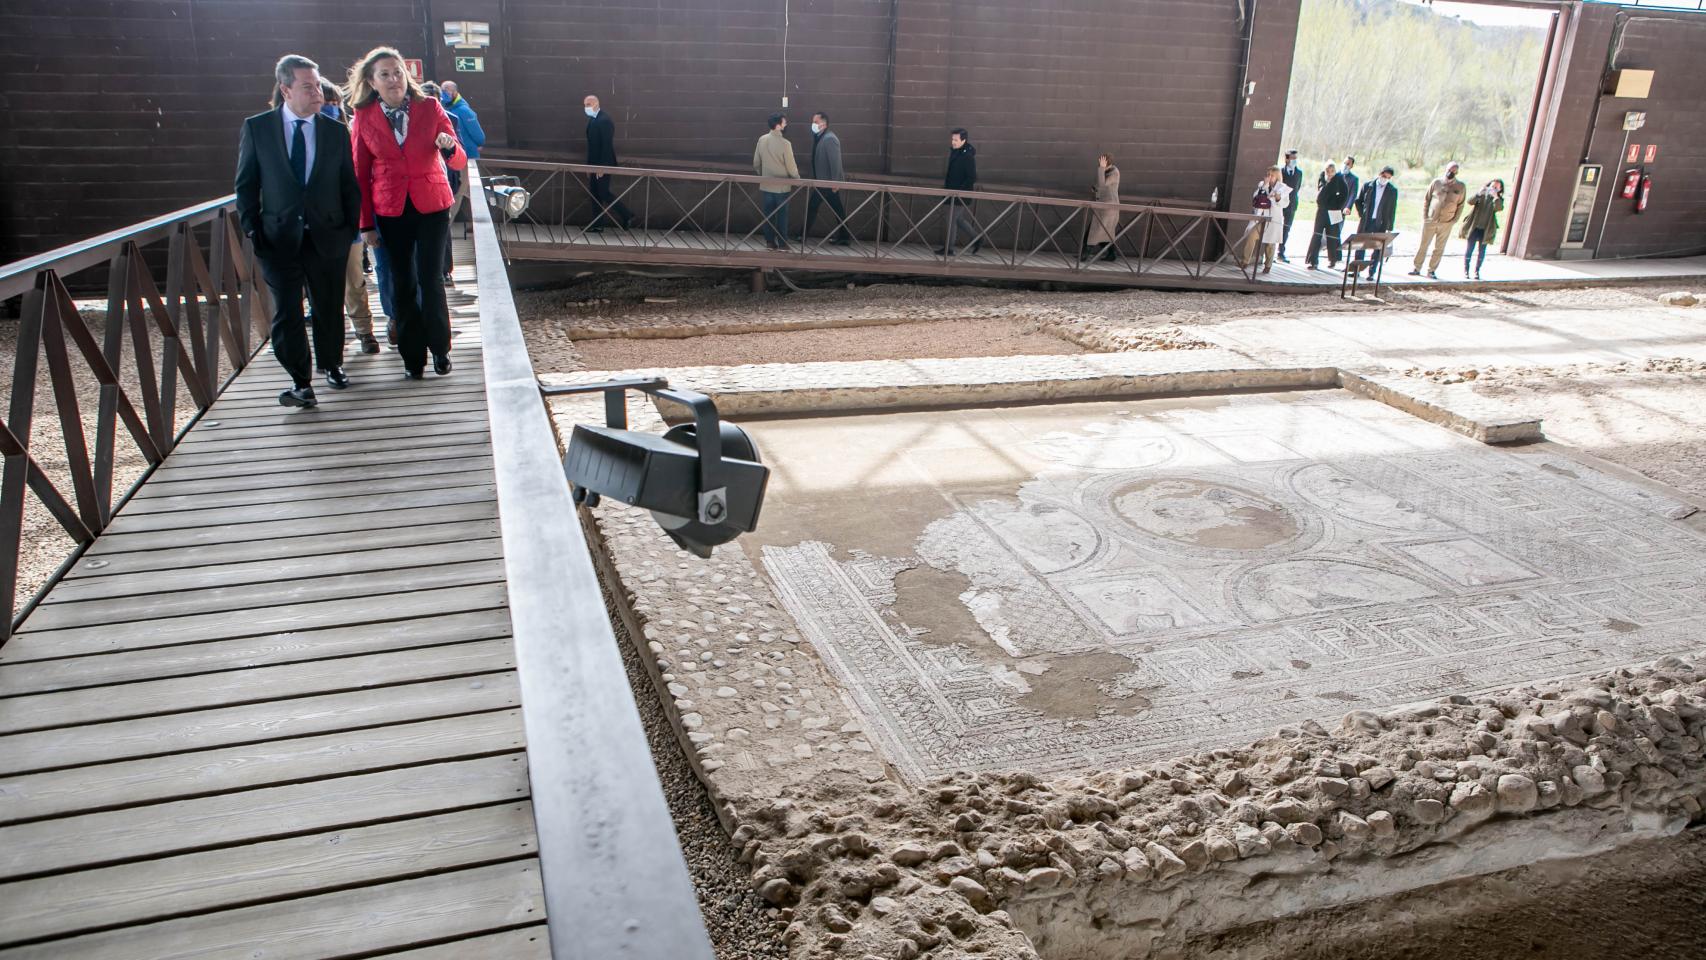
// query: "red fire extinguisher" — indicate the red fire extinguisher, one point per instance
point(1631, 181)
point(1646, 191)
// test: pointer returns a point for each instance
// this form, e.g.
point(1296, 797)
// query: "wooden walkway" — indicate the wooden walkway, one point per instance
point(274, 712)
point(530, 241)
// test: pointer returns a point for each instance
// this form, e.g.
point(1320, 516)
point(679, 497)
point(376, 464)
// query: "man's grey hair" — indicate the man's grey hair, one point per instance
point(285, 73)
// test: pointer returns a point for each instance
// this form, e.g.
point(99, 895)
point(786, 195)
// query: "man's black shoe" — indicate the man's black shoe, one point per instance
point(595, 228)
point(298, 397)
point(441, 363)
point(336, 378)
point(414, 374)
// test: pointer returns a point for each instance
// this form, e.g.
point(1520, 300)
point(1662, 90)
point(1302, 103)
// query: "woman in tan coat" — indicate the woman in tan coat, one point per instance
point(1104, 222)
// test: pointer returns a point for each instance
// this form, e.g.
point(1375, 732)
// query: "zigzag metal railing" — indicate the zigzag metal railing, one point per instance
point(705, 217)
point(211, 302)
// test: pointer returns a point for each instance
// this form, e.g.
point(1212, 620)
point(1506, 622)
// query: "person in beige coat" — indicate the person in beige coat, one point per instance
point(1104, 221)
point(1441, 207)
point(773, 159)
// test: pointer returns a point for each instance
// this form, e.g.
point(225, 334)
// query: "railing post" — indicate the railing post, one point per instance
point(15, 473)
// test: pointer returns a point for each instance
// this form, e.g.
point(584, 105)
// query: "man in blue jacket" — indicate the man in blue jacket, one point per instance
point(467, 121)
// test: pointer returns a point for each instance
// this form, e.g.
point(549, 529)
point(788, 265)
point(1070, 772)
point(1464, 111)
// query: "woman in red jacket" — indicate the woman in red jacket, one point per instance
point(397, 132)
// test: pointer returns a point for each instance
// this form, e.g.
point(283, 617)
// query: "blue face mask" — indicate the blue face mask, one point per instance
point(592, 111)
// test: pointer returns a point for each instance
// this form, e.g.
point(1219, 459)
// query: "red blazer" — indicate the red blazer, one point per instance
point(389, 174)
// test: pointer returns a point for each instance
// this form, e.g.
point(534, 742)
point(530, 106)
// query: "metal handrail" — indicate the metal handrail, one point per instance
point(210, 302)
point(506, 154)
point(616, 883)
point(713, 219)
point(854, 185)
point(18, 276)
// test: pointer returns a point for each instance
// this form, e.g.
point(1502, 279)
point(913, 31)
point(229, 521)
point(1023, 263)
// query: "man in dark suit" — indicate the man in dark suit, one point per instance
point(1331, 199)
point(1292, 174)
point(1353, 183)
point(299, 204)
point(601, 152)
point(1377, 207)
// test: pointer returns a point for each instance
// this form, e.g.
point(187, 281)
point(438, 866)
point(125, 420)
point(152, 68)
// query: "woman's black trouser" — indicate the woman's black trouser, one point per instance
point(414, 245)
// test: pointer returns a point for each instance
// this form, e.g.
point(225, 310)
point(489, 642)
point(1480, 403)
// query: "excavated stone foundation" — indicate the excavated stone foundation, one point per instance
point(1006, 682)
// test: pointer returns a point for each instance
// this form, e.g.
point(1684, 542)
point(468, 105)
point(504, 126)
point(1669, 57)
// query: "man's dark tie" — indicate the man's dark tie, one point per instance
point(299, 153)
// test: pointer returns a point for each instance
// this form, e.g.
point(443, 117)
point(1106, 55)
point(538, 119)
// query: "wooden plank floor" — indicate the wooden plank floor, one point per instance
point(274, 711)
point(525, 241)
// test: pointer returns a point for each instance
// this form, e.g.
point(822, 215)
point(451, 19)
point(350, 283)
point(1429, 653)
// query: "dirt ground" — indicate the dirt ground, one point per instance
point(938, 338)
point(1651, 423)
point(1647, 900)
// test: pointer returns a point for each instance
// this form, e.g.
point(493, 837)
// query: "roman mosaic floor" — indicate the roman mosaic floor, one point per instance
point(1063, 587)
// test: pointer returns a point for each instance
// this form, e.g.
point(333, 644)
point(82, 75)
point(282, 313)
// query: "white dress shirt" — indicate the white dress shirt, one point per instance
point(1379, 190)
point(289, 120)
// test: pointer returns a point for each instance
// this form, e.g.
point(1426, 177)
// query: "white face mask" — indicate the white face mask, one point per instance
point(817, 128)
point(592, 111)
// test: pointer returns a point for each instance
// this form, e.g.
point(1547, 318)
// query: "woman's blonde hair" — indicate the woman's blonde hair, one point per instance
point(360, 86)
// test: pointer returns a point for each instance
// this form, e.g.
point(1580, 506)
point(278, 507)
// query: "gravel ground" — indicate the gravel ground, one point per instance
point(741, 926)
point(938, 338)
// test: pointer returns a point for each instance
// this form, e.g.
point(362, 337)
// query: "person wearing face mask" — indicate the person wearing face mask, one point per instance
point(298, 201)
point(1292, 176)
point(1377, 208)
point(399, 134)
point(826, 165)
point(1442, 205)
point(601, 152)
point(1481, 226)
point(1330, 193)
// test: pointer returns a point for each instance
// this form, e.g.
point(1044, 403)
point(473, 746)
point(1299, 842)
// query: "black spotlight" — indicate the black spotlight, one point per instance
point(702, 481)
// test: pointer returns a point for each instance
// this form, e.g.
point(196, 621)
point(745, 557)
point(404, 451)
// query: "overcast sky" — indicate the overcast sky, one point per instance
point(1491, 15)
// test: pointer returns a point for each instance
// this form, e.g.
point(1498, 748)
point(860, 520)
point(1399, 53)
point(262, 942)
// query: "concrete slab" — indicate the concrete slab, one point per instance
point(1074, 587)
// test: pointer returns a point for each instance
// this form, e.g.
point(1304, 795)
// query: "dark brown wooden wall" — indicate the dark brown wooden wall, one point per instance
point(1675, 219)
point(122, 109)
point(1675, 222)
point(117, 110)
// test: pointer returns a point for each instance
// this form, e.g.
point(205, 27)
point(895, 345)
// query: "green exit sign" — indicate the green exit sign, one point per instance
point(470, 64)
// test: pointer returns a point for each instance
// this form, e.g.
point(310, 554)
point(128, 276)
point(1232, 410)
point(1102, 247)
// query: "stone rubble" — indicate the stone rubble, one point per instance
point(865, 871)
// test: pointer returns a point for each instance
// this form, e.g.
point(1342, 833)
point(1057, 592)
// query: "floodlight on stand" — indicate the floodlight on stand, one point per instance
point(702, 481)
point(507, 194)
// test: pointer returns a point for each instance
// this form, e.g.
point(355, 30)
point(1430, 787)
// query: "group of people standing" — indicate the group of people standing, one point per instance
point(315, 177)
point(1339, 193)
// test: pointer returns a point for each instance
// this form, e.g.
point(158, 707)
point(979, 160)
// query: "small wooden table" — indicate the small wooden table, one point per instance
point(1378, 244)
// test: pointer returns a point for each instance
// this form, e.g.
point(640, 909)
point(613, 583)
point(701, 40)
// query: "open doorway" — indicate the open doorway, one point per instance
point(1413, 86)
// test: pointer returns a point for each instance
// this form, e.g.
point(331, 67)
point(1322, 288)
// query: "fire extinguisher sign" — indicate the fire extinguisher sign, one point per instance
point(1634, 153)
point(1652, 153)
